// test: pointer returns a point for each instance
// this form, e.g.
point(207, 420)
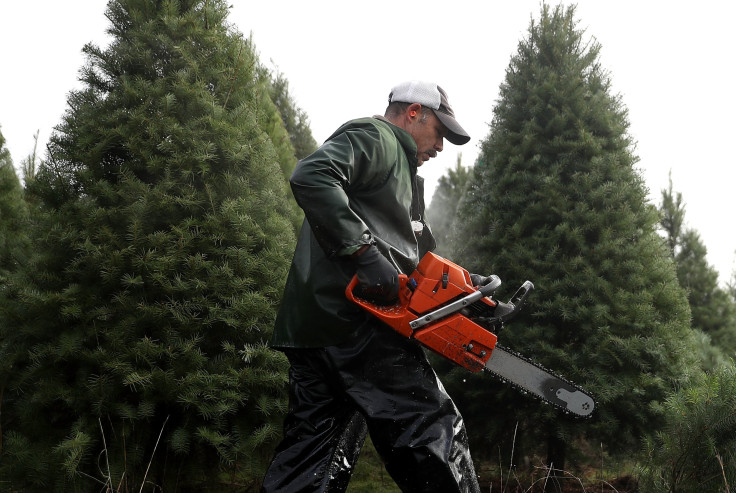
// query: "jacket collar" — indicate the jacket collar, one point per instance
point(405, 139)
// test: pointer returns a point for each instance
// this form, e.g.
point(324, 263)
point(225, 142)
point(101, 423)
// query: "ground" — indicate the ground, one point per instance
point(370, 477)
point(625, 484)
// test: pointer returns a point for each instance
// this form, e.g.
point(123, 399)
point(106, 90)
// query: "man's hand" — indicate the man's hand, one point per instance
point(479, 280)
point(378, 280)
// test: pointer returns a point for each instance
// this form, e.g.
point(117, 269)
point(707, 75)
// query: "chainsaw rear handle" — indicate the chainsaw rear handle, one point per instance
point(350, 293)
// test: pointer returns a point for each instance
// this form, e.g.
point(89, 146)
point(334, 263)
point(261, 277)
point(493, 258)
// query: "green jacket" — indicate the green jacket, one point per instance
point(359, 187)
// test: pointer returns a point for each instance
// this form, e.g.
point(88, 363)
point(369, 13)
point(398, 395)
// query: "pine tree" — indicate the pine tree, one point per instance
point(672, 216)
point(14, 246)
point(13, 214)
point(696, 449)
point(295, 119)
point(441, 213)
point(14, 225)
point(164, 239)
point(713, 309)
point(273, 124)
point(291, 133)
point(29, 165)
point(554, 198)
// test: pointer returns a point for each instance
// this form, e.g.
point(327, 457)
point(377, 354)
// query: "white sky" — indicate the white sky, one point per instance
point(668, 59)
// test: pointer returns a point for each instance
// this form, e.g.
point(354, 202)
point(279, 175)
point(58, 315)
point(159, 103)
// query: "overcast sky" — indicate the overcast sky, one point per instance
point(672, 63)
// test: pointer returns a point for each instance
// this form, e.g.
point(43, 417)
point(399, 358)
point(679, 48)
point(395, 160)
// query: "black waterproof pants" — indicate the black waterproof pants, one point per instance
point(385, 381)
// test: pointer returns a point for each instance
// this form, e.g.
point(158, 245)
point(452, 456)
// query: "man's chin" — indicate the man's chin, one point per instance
point(423, 159)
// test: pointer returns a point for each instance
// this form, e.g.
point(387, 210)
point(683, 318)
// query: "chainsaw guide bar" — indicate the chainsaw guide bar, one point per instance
point(527, 376)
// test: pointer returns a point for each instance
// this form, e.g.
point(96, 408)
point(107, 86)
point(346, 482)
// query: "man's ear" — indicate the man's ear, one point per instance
point(413, 110)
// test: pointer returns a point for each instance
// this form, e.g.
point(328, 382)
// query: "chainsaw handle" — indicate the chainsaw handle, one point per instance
point(350, 294)
point(351, 287)
point(493, 283)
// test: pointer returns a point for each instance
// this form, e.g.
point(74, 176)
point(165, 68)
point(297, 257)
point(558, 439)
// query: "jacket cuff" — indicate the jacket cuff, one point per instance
point(364, 241)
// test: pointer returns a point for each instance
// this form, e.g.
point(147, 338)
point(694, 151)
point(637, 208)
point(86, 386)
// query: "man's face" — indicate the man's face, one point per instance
point(429, 134)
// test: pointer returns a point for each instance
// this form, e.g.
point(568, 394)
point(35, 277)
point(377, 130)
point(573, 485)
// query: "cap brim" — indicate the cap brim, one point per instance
point(456, 134)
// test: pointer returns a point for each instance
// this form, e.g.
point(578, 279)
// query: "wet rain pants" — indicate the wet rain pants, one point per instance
point(384, 381)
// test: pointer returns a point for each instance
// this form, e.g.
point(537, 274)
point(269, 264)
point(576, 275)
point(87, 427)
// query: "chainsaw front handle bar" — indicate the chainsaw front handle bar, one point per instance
point(493, 283)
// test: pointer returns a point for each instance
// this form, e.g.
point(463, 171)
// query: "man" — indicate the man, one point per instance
point(364, 215)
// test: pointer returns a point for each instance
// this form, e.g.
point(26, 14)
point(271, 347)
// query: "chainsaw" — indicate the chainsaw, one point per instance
point(439, 308)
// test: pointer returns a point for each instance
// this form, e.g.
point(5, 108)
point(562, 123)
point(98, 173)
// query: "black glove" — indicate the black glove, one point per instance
point(479, 280)
point(378, 280)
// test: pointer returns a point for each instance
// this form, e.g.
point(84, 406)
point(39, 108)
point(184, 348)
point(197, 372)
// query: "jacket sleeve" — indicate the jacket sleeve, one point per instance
point(322, 184)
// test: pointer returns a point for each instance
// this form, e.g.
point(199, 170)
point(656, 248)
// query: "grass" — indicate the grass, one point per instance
point(370, 476)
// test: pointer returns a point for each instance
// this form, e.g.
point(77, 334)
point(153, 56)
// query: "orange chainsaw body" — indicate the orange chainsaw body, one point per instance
point(435, 283)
